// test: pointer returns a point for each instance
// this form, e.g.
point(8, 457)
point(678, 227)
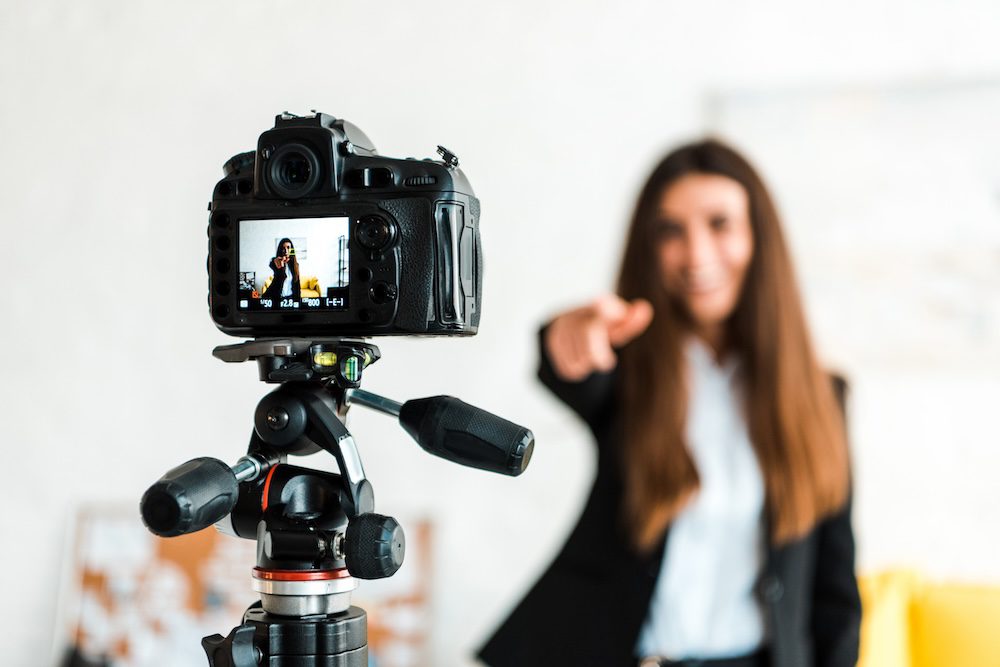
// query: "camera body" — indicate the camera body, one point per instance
point(315, 234)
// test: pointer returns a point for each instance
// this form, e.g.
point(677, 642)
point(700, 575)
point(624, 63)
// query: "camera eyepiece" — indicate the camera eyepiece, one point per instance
point(294, 171)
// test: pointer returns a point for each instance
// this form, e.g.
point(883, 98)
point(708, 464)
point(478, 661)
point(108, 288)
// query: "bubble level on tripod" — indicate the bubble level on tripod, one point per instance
point(351, 369)
point(325, 359)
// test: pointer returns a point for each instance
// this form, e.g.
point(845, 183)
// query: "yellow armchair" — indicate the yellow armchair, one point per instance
point(908, 621)
point(308, 284)
point(310, 287)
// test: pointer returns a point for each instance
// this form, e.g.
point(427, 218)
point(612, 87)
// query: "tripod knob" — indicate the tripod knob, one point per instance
point(374, 546)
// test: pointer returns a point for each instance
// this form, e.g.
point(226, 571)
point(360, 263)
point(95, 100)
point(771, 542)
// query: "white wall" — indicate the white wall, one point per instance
point(117, 116)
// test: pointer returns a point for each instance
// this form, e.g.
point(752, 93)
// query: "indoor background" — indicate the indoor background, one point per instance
point(875, 123)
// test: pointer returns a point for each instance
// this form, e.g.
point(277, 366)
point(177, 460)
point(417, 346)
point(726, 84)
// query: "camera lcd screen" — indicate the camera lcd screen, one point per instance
point(294, 264)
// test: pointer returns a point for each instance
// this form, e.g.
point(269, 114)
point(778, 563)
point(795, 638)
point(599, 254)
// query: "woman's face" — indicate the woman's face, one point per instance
point(286, 249)
point(704, 245)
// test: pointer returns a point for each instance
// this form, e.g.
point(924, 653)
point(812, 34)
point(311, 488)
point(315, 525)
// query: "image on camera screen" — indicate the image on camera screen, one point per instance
point(294, 264)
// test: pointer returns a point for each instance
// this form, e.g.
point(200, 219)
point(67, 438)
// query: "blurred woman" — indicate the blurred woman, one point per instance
point(285, 279)
point(717, 532)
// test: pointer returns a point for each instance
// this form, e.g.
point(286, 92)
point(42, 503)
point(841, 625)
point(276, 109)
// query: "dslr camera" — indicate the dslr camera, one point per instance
point(316, 234)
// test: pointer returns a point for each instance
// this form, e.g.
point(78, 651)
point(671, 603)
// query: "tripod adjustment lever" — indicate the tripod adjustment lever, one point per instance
point(373, 401)
point(236, 650)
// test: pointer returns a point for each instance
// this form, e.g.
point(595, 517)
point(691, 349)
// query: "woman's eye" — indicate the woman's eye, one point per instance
point(668, 230)
point(718, 222)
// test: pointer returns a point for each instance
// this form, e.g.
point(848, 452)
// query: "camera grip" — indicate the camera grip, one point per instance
point(452, 429)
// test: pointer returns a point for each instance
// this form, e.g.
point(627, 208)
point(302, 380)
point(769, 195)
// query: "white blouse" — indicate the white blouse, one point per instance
point(704, 605)
point(286, 287)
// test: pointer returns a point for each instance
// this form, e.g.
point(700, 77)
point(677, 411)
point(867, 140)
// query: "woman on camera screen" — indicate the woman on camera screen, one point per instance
point(718, 530)
point(285, 279)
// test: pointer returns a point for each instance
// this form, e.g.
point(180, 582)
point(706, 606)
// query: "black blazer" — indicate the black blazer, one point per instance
point(273, 290)
point(588, 607)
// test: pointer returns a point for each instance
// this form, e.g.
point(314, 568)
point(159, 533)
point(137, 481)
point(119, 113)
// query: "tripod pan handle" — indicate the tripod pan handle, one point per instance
point(452, 429)
point(192, 496)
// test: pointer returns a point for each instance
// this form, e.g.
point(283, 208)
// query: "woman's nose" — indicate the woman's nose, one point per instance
point(701, 249)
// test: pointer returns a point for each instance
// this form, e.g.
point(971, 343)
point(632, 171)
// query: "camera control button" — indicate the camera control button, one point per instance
point(375, 232)
point(382, 292)
point(414, 181)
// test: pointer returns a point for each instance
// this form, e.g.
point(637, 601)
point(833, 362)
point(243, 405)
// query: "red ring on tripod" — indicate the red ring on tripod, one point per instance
point(300, 575)
point(267, 487)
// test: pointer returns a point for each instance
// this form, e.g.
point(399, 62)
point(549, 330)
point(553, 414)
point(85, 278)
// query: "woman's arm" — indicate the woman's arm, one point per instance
point(577, 351)
point(836, 617)
point(273, 290)
point(836, 620)
point(588, 397)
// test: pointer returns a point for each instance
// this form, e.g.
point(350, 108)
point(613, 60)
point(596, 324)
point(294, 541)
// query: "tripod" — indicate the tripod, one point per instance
point(316, 532)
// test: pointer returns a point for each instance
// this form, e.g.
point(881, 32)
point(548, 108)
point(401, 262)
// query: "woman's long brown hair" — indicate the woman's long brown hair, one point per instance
point(294, 259)
point(794, 421)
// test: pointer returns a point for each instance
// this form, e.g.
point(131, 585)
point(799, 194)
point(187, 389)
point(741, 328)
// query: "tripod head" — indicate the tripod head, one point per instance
point(315, 531)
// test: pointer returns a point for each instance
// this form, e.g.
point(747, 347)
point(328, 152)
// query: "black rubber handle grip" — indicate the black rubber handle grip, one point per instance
point(190, 497)
point(452, 429)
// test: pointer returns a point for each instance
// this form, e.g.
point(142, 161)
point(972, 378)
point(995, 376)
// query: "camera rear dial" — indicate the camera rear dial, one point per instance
point(375, 233)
